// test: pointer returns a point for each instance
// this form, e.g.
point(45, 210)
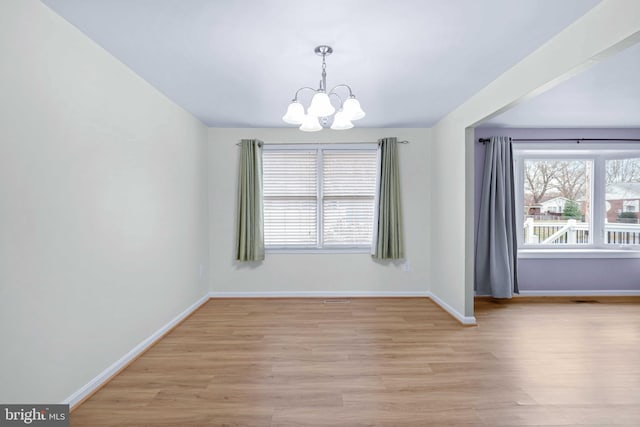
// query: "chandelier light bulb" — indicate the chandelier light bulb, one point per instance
point(341, 121)
point(295, 114)
point(352, 109)
point(321, 105)
point(310, 124)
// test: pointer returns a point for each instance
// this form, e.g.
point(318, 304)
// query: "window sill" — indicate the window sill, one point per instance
point(318, 251)
point(577, 253)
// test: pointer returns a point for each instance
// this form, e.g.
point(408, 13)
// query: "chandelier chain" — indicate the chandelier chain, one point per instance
point(323, 83)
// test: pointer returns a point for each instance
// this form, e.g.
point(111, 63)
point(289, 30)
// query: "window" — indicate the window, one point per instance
point(319, 197)
point(584, 197)
point(557, 201)
point(631, 205)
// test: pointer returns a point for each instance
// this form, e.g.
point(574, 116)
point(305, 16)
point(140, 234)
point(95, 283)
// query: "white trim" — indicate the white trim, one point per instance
point(318, 294)
point(598, 293)
point(376, 202)
point(465, 320)
point(267, 146)
point(324, 250)
point(121, 363)
point(577, 253)
point(545, 149)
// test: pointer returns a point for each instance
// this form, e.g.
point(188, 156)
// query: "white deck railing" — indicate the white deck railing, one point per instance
point(574, 232)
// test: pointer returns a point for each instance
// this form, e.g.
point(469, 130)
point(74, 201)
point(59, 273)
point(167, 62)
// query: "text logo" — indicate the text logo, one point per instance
point(34, 415)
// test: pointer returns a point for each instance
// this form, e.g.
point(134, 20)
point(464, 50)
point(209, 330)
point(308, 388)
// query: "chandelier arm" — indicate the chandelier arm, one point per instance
point(351, 95)
point(337, 96)
point(295, 98)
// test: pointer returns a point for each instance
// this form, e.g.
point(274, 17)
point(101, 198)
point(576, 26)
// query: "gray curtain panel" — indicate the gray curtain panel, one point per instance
point(496, 248)
point(388, 244)
point(250, 224)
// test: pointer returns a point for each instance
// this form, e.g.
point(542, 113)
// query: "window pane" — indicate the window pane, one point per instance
point(290, 222)
point(348, 222)
point(290, 202)
point(349, 186)
point(557, 202)
point(349, 172)
point(622, 201)
point(289, 173)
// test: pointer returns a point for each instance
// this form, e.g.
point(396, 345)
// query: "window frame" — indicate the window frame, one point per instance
point(320, 247)
point(598, 154)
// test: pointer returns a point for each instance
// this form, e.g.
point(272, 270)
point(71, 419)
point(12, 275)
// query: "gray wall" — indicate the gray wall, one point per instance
point(564, 274)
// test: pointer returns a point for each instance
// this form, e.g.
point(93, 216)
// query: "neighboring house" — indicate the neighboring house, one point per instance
point(623, 197)
point(553, 206)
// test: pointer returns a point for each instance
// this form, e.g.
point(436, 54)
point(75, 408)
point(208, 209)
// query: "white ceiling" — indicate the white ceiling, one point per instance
point(238, 63)
point(605, 95)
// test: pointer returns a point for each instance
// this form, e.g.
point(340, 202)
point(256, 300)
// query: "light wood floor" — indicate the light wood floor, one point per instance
point(383, 362)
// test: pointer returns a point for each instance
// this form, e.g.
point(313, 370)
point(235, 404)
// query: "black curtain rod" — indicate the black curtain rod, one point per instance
point(577, 140)
point(327, 143)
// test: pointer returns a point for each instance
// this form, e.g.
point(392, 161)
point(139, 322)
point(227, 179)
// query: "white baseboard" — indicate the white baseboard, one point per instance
point(599, 293)
point(121, 363)
point(317, 294)
point(465, 320)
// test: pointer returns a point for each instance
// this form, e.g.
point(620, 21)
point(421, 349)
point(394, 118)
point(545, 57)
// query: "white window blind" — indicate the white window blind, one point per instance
point(349, 188)
point(290, 197)
point(319, 199)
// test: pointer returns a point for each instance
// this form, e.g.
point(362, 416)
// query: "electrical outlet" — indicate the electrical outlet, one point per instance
point(406, 266)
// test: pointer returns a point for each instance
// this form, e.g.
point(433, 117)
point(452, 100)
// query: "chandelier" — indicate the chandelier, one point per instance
point(321, 108)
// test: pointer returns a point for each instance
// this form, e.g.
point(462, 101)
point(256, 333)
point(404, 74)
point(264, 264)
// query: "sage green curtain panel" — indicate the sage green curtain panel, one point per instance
point(250, 228)
point(388, 242)
point(496, 247)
